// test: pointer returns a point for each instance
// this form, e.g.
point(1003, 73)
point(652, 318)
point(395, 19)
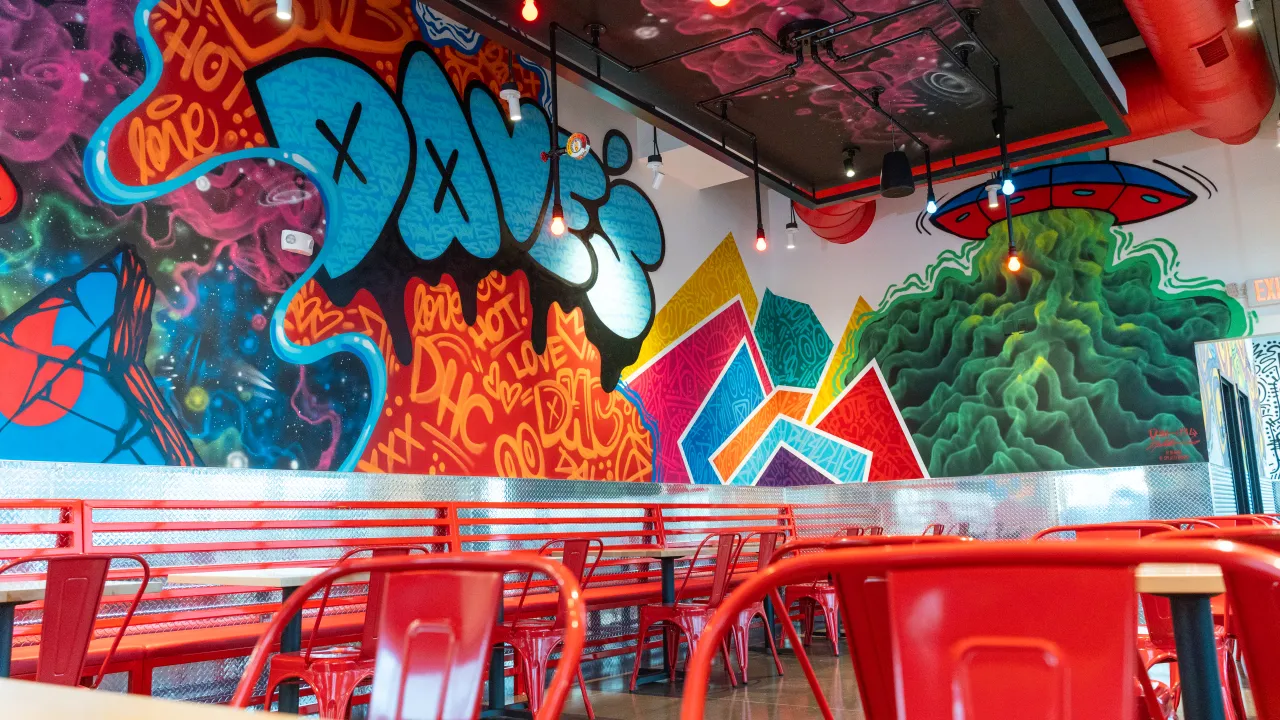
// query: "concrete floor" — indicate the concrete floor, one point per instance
point(767, 696)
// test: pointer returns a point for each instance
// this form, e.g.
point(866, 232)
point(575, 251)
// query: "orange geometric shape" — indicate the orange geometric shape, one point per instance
point(787, 402)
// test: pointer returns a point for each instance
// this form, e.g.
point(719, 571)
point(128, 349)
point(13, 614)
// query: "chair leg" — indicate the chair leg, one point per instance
point(833, 629)
point(640, 638)
point(586, 701)
point(773, 648)
point(728, 665)
point(807, 612)
point(740, 638)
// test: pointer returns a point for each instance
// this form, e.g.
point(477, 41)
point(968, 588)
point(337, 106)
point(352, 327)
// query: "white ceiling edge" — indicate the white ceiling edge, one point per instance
point(1095, 51)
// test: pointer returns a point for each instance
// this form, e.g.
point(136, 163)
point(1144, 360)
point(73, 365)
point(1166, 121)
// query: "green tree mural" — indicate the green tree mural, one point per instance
point(1071, 363)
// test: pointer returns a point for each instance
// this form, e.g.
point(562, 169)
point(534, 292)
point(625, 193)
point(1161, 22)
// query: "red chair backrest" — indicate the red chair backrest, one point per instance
point(433, 665)
point(1156, 610)
point(1224, 521)
point(574, 556)
point(935, 529)
point(726, 554)
point(436, 625)
point(373, 600)
point(74, 586)
point(1023, 630)
point(866, 620)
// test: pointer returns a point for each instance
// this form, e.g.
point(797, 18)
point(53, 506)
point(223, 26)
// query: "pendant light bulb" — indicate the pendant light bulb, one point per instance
point(1007, 188)
point(510, 94)
point(761, 243)
point(1013, 263)
point(993, 196)
point(719, 3)
point(284, 9)
point(557, 221)
point(931, 204)
point(1244, 14)
point(530, 11)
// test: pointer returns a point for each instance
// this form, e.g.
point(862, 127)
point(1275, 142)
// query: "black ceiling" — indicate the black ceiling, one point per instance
point(1108, 19)
point(802, 123)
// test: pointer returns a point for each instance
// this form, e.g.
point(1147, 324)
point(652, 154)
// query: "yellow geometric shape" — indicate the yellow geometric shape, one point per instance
point(841, 362)
point(719, 279)
point(783, 401)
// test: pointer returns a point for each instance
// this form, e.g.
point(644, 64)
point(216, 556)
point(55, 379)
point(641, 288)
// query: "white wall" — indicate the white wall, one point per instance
point(1232, 236)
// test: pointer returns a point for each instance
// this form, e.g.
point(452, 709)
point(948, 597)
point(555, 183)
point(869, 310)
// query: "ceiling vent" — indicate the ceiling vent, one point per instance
point(1213, 52)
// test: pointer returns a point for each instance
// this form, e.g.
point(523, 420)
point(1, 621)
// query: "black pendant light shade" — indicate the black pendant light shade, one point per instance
point(896, 180)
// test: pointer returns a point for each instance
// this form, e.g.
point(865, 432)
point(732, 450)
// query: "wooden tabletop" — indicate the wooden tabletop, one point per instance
point(1173, 579)
point(279, 577)
point(28, 700)
point(25, 592)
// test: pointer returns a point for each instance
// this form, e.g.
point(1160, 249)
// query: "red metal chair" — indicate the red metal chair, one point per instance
point(1062, 645)
point(334, 673)
point(689, 618)
point(1224, 521)
point(1261, 536)
point(935, 529)
point(820, 596)
point(434, 632)
point(74, 584)
point(868, 640)
point(1156, 700)
point(534, 639)
point(767, 543)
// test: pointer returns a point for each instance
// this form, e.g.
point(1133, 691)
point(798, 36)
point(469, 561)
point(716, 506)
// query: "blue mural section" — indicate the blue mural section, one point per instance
point(736, 394)
point(792, 340)
point(834, 457)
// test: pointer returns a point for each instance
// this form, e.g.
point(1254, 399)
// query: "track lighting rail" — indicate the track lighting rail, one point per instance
point(926, 32)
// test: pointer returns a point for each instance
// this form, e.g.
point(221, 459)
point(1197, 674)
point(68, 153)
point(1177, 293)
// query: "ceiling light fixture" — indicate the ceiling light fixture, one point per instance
point(761, 243)
point(1013, 263)
point(792, 228)
point(530, 11)
point(1244, 13)
point(849, 170)
point(896, 180)
point(993, 194)
point(557, 211)
point(1278, 133)
point(655, 161)
point(931, 200)
point(1007, 187)
point(719, 3)
point(510, 92)
point(284, 9)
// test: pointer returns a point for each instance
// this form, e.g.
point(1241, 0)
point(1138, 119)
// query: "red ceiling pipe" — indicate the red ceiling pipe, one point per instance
point(1210, 67)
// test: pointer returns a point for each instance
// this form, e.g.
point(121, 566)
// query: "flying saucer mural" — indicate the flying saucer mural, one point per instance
point(1083, 359)
point(1129, 192)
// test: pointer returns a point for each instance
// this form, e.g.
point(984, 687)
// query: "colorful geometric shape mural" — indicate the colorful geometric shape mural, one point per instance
point(792, 340)
point(866, 415)
point(673, 385)
point(781, 402)
point(737, 392)
point(74, 385)
point(836, 376)
point(719, 279)
point(839, 459)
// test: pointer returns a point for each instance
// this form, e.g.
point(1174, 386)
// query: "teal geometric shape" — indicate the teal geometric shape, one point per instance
point(836, 458)
point(792, 340)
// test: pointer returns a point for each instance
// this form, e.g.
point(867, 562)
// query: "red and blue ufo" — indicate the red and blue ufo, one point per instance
point(1129, 192)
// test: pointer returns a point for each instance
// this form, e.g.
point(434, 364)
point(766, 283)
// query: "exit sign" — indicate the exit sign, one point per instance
point(1264, 291)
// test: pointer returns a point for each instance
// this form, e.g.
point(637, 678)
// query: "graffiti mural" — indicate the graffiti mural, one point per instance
point(436, 326)
point(1266, 367)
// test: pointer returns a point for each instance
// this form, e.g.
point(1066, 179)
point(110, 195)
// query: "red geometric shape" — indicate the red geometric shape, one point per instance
point(866, 415)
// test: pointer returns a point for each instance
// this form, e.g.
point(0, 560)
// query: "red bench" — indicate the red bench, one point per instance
point(183, 624)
